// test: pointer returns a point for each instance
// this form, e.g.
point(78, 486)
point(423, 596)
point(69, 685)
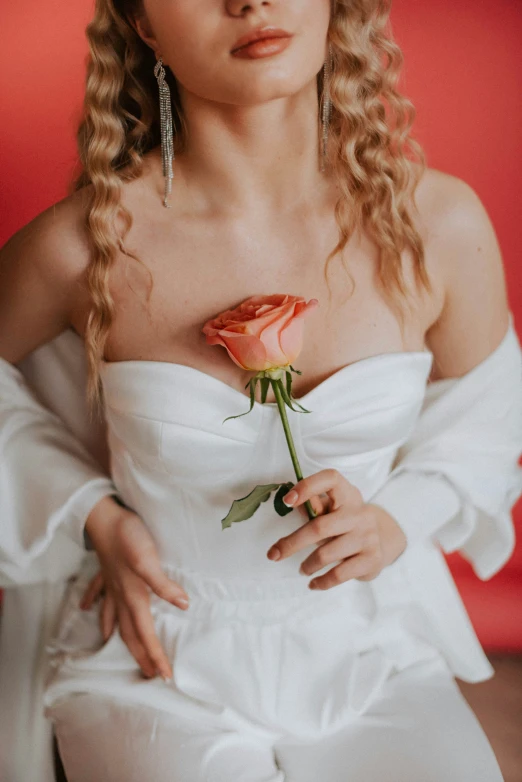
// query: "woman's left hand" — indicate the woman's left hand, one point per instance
point(363, 536)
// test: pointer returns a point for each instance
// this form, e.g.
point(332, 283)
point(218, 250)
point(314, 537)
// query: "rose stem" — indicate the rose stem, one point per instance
point(289, 439)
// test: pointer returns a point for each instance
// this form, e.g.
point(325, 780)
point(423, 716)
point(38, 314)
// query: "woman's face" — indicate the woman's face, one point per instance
point(196, 37)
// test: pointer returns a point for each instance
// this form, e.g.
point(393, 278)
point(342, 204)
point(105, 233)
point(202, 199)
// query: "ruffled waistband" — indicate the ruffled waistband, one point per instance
point(259, 600)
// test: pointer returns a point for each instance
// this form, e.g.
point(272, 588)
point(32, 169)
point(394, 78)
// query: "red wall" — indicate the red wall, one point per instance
point(463, 72)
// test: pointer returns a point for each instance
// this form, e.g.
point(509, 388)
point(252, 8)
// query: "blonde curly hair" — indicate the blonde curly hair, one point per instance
point(368, 148)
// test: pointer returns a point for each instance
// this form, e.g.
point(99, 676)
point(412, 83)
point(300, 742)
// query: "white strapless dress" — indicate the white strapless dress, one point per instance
point(256, 646)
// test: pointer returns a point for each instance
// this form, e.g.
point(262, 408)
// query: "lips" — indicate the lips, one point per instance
point(261, 34)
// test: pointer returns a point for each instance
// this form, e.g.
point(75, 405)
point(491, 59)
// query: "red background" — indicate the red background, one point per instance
point(463, 72)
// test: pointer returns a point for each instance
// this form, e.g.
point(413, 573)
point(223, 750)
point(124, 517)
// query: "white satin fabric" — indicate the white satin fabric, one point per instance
point(254, 631)
point(177, 465)
point(53, 470)
point(419, 728)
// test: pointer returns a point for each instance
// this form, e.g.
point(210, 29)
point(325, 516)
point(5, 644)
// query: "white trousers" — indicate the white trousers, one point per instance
point(419, 729)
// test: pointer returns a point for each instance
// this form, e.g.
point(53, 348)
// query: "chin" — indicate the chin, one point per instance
point(264, 86)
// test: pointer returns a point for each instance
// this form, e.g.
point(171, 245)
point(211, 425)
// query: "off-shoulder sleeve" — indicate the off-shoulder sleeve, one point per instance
point(458, 476)
point(49, 483)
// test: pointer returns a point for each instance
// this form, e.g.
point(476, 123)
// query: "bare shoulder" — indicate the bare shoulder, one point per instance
point(451, 207)
point(465, 259)
point(42, 269)
point(54, 240)
point(454, 219)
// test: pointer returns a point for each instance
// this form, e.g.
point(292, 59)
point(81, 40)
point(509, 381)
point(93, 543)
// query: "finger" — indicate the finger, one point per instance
point(141, 556)
point(335, 550)
point(325, 501)
point(146, 631)
point(133, 643)
point(94, 588)
point(329, 481)
point(319, 529)
point(319, 503)
point(152, 573)
point(363, 567)
point(108, 615)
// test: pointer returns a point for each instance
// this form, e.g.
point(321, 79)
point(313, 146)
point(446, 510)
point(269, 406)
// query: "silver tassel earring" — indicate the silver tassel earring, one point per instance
point(167, 136)
point(326, 104)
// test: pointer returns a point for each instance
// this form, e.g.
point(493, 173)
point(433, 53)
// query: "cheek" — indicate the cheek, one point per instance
point(317, 14)
point(190, 38)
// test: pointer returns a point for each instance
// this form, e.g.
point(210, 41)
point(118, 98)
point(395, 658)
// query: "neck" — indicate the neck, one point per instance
point(246, 158)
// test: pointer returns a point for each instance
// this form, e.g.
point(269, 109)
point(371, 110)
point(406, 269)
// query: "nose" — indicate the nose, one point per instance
point(240, 7)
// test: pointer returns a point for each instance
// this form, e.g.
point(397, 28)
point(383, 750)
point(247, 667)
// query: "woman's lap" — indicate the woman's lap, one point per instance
point(420, 729)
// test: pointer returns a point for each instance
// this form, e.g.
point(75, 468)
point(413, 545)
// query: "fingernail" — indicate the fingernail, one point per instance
point(183, 602)
point(166, 678)
point(290, 498)
point(313, 585)
point(273, 553)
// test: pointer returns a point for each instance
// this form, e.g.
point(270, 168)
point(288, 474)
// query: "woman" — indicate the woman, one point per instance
point(326, 676)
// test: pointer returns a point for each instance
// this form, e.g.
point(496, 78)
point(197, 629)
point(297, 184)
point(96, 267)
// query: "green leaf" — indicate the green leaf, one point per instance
point(252, 384)
point(288, 400)
point(279, 505)
point(265, 385)
point(245, 507)
point(289, 383)
point(236, 416)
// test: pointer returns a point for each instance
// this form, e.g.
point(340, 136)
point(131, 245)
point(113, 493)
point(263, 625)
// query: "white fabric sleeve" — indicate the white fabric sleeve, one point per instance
point(49, 483)
point(458, 476)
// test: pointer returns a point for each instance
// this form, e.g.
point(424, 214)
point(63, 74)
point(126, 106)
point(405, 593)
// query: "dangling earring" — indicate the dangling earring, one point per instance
point(326, 104)
point(167, 136)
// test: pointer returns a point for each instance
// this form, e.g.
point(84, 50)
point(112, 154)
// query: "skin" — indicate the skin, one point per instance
point(251, 214)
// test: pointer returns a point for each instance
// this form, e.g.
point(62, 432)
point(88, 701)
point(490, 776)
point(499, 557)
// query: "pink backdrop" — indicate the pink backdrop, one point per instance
point(463, 72)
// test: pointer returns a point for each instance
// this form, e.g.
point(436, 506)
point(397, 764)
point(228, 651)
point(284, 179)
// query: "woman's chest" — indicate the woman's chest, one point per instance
point(203, 269)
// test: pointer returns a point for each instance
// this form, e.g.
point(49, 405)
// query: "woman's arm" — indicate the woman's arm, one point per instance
point(457, 478)
point(49, 481)
point(52, 488)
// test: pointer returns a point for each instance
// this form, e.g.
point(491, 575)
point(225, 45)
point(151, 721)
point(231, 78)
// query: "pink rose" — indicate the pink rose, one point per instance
point(263, 332)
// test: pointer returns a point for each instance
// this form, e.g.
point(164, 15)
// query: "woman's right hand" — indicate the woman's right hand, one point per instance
point(130, 567)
